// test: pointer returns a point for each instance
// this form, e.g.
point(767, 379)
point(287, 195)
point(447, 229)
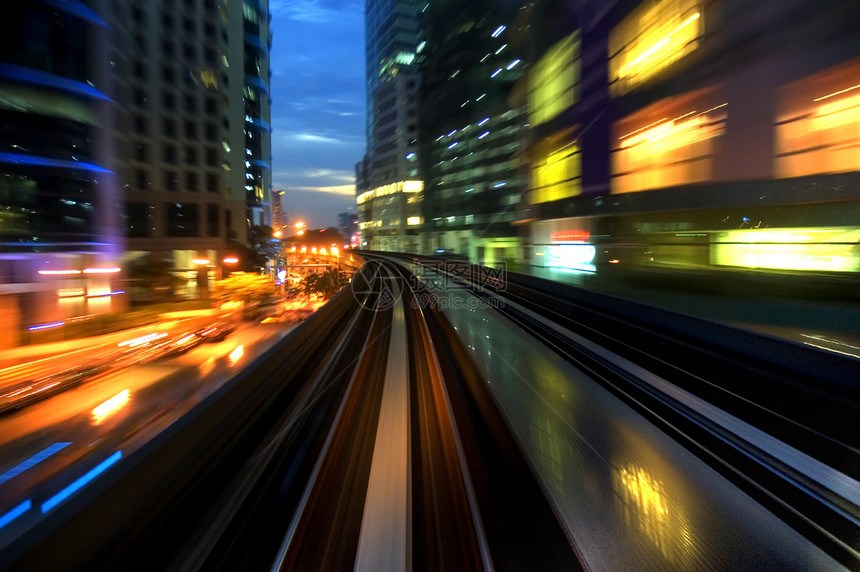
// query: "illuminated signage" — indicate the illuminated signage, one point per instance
point(570, 236)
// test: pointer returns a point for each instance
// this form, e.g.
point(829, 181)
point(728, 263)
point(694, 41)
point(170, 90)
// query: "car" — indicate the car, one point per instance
point(216, 332)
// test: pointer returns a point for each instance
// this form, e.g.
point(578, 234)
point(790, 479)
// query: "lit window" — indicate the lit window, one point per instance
point(554, 81)
point(655, 35)
point(818, 123)
point(671, 142)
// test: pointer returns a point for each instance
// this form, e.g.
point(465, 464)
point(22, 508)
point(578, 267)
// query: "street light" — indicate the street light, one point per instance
point(227, 261)
point(336, 252)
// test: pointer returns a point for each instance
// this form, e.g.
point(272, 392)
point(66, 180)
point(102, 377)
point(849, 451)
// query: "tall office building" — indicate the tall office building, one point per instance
point(471, 132)
point(388, 181)
point(60, 234)
point(193, 133)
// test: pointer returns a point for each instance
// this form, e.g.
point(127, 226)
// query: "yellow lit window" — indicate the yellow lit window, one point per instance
point(558, 176)
point(652, 37)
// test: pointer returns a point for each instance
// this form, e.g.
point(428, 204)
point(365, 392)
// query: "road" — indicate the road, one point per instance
point(48, 444)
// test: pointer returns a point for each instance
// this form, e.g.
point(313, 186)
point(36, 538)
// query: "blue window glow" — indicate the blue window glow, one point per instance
point(484, 134)
point(80, 483)
point(512, 65)
point(498, 31)
point(497, 185)
point(484, 120)
point(454, 144)
point(497, 72)
point(452, 132)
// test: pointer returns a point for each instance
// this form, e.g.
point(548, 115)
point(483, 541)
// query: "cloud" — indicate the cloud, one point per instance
point(340, 190)
point(318, 105)
point(312, 138)
point(308, 177)
point(316, 206)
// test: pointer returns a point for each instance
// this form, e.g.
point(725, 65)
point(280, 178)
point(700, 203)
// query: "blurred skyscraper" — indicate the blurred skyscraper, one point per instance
point(130, 131)
point(388, 182)
point(60, 233)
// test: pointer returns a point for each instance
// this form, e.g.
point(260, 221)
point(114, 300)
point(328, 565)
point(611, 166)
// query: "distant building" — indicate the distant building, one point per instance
point(61, 237)
point(388, 180)
point(347, 224)
point(280, 218)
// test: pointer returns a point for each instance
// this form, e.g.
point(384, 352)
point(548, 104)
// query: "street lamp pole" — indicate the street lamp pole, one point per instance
point(202, 277)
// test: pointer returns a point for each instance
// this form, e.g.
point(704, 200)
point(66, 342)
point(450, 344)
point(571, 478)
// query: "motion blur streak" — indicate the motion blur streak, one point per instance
point(33, 461)
point(80, 483)
point(15, 513)
point(237, 354)
point(110, 406)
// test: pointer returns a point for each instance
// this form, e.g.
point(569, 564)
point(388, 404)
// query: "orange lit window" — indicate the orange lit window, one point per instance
point(672, 142)
point(818, 124)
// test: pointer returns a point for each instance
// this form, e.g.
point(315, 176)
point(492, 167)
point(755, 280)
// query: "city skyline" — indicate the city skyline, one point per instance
point(317, 106)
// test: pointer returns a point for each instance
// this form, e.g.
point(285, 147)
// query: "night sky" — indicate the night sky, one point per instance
point(317, 62)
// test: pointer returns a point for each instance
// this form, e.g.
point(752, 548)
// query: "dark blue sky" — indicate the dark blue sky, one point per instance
point(317, 105)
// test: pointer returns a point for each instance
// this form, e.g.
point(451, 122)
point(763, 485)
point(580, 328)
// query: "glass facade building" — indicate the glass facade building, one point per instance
point(60, 231)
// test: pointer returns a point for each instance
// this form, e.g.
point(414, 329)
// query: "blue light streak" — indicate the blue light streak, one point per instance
point(33, 461)
point(80, 483)
point(28, 75)
point(15, 513)
point(29, 160)
point(46, 326)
